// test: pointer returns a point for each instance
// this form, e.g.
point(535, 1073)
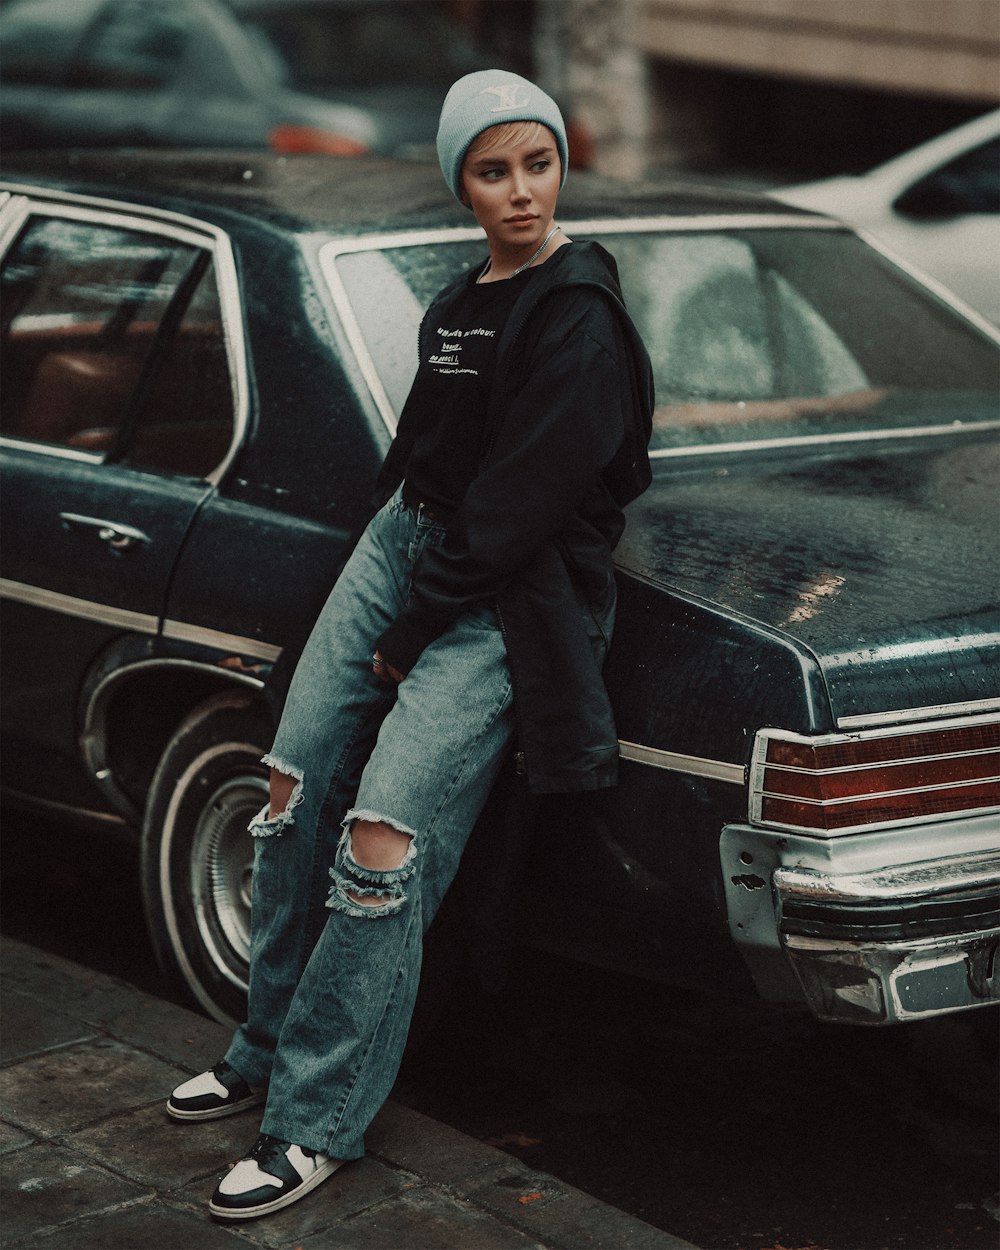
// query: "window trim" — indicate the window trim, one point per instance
point(28, 202)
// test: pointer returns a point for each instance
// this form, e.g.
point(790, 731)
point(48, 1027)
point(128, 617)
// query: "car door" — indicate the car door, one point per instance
point(118, 413)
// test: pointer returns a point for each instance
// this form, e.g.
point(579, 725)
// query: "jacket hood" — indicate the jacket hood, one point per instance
point(584, 261)
point(588, 264)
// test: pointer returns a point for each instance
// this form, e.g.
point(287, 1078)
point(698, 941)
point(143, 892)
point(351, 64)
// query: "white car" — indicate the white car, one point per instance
point(936, 206)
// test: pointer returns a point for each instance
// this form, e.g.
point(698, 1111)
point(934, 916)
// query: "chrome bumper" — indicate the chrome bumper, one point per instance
point(872, 928)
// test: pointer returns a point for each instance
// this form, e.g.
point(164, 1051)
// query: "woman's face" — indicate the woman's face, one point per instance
point(512, 188)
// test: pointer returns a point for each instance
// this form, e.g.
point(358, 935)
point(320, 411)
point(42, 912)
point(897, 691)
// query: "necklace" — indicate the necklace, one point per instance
point(531, 259)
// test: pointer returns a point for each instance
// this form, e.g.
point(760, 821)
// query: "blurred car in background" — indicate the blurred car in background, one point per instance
point(936, 206)
point(326, 76)
point(204, 362)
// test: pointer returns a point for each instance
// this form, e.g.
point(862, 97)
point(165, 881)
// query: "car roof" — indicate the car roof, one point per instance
point(343, 196)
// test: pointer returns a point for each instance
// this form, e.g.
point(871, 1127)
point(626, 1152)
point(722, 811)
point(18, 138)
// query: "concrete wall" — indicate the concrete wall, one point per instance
point(942, 48)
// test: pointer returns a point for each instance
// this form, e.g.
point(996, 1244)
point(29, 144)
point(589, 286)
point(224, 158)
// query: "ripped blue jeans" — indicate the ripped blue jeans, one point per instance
point(332, 980)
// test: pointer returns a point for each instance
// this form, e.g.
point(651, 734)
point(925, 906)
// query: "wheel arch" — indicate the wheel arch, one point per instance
point(132, 714)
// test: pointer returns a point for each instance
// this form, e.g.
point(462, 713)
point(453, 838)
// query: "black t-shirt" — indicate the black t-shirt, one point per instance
point(446, 407)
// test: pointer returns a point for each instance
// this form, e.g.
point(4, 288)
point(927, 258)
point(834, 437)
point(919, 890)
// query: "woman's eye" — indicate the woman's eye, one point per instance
point(493, 174)
point(540, 166)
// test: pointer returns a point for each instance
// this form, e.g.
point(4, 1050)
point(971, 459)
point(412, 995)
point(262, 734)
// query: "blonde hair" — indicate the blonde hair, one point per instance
point(503, 132)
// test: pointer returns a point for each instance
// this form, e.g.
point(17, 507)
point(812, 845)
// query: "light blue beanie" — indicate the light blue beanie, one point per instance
point(488, 98)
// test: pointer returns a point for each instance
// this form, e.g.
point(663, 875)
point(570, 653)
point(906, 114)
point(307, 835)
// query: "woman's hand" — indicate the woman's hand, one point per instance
point(385, 671)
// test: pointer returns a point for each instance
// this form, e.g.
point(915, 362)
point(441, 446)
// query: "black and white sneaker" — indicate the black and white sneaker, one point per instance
point(219, 1091)
point(274, 1174)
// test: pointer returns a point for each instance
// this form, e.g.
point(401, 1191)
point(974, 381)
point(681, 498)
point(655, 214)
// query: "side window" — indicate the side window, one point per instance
point(135, 46)
point(968, 184)
point(112, 343)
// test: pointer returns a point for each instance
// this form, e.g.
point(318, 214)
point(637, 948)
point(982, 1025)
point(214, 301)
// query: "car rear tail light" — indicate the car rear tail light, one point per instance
point(843, 782)
point(300, 139)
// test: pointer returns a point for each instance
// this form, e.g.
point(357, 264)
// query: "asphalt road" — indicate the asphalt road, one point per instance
point(736, 1128)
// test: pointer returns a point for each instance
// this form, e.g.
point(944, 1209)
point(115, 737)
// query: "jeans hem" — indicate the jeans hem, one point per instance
point(334, 1147)
point(240, 1061)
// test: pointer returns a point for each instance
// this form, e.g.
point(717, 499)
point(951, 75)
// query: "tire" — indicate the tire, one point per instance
point(197, 856)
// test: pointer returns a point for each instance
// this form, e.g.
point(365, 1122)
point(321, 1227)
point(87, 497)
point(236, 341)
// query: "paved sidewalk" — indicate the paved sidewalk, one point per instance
point(91, 1160)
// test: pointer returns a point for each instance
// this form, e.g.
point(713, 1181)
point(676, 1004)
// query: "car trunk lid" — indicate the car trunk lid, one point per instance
point(881, 562)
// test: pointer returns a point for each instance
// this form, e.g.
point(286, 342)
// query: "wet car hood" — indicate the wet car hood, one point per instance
point(883, 563)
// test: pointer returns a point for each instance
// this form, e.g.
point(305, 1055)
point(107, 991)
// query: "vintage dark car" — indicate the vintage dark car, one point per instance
point(203, 363)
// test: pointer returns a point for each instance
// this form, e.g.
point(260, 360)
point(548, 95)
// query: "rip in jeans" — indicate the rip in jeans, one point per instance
point(263, 826)
point(353, 881)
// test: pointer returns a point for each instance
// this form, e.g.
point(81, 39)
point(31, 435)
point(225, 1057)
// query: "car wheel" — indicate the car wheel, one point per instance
point(197, 856)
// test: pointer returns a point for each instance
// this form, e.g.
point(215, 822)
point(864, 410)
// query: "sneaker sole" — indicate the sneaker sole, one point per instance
point(251, 1213)
point(216, 1113)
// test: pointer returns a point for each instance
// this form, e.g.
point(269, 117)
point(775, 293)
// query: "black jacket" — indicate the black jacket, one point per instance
point(566, 442)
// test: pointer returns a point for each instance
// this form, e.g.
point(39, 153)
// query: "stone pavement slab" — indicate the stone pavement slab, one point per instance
point(46, 1185)
point(143, 1226)
point(421, 1218)
point(67, 1088)
point(151, 1149)
point(28, 1026)
point(89, 1159)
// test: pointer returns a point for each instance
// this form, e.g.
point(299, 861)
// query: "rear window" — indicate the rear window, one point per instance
point(754, 335)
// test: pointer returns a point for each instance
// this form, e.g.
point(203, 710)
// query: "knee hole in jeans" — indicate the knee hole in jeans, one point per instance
point(374, 859)
point(284, 795)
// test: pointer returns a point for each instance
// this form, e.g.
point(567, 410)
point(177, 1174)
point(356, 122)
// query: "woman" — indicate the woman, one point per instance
point(475, 610)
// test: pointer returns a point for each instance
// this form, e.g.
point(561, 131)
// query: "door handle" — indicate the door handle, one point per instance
point(118, 537)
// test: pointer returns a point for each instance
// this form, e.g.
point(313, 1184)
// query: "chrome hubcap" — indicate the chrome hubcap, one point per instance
point(222, 872)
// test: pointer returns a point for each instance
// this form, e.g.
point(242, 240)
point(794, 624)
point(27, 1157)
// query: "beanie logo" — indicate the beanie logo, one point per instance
point(512, 95)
